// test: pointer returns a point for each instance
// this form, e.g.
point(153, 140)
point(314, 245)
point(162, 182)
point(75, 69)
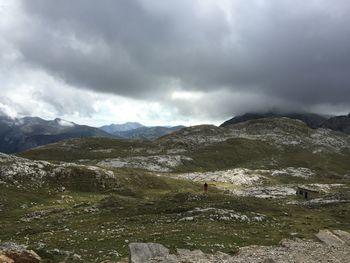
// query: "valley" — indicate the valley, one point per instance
point(87, 199)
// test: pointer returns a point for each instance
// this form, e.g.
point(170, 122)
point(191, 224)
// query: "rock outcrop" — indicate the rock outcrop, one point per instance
point(5, 259)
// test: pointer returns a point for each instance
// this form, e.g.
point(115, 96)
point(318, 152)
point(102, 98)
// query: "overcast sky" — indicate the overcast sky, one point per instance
point(172, 62)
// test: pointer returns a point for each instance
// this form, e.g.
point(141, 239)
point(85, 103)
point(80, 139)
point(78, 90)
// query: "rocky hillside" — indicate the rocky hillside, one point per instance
point(312, 120)
point(26, 174)
point(269, 143)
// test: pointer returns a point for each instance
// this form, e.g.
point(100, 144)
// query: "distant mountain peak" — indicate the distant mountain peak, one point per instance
point(122, 127)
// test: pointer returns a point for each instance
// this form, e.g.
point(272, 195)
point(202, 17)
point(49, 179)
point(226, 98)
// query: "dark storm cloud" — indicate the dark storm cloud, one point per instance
point(289, 51)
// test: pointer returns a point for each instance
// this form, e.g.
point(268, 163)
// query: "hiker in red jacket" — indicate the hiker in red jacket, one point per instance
point(205, 187)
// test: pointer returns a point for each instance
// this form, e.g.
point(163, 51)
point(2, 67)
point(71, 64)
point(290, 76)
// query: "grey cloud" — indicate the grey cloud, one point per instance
point(295, 52)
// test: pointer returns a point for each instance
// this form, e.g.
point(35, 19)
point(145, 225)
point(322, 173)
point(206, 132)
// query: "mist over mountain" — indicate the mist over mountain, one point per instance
point(338, 123)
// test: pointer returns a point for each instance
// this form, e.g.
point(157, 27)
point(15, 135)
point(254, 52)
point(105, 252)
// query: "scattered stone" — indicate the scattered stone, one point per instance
point(76, 257)
point(188, 218)
point(40, 214)
point(212, 213)
point(155, 163)
point(294, 172)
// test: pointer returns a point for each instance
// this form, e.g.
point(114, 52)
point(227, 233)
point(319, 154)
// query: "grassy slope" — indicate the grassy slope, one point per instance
point(87, 148)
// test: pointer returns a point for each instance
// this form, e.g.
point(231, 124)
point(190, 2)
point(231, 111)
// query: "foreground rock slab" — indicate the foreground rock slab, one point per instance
point(142, 252)
point(334, 247)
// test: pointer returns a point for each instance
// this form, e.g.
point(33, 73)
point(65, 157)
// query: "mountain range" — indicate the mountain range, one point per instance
point(114, 128)
point(137, 131)
point(21, 134)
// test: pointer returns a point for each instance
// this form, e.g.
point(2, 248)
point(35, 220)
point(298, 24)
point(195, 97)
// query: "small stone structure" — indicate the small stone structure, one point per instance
point(307, 192)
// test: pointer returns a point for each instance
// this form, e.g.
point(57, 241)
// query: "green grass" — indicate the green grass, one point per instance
point(254, 154)
point(231, 153)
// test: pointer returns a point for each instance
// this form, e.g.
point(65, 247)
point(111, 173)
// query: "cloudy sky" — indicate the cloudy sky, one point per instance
point(172, 62)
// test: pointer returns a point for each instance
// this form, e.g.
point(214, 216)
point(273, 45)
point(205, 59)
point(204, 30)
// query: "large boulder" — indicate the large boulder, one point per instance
point(142, 252)
point(329, 238)
point(18, 253)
